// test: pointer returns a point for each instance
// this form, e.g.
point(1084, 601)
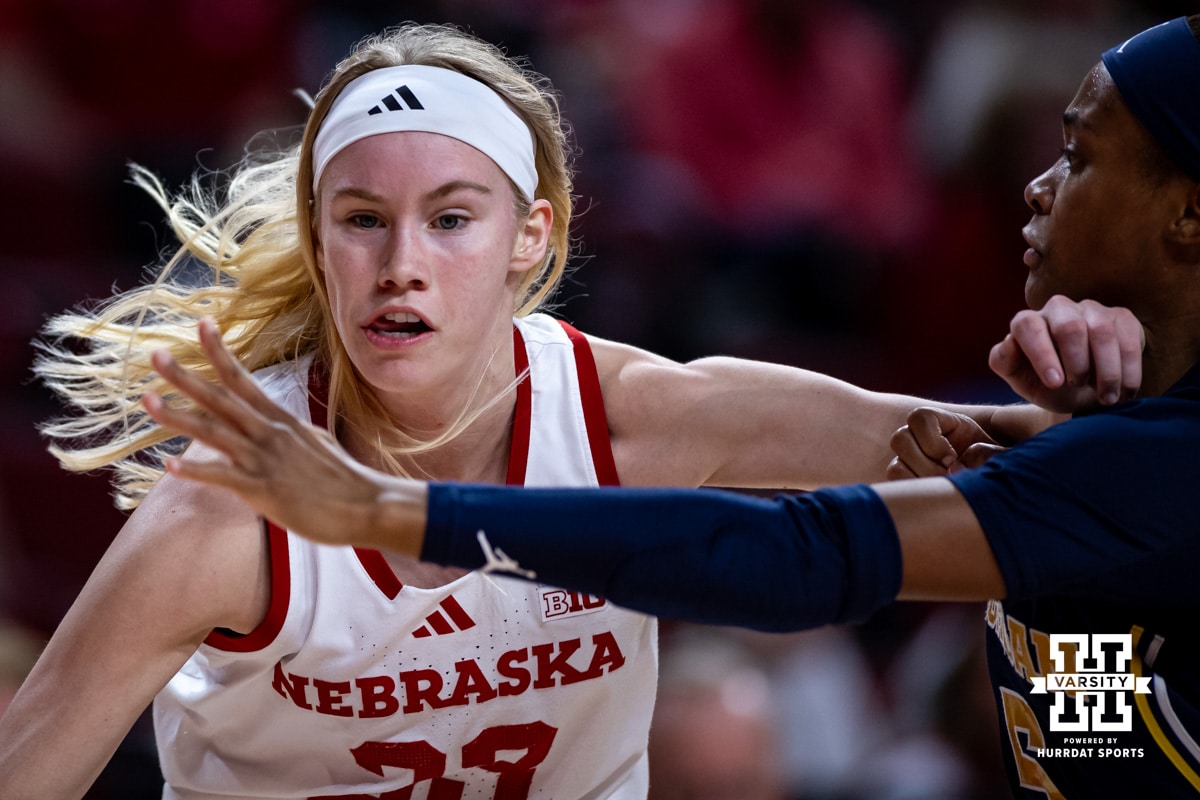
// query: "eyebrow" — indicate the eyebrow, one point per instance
point(1072, 118)
point(442, 191)
point(454, 186)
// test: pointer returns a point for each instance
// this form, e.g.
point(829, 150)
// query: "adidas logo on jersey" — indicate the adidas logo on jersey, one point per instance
point(558, 603)
point(450, 617)
point(400, 100)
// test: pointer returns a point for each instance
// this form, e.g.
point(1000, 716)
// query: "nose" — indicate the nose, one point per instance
point(1039, 192)
point(404, 264)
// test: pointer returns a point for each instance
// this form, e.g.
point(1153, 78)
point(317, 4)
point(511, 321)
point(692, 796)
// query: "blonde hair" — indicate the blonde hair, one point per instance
point(251, 228)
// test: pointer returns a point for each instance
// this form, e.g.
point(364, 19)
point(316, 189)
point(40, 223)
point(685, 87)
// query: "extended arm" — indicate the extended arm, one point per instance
point(738, 423)
point(735, 423)
point(832, 556)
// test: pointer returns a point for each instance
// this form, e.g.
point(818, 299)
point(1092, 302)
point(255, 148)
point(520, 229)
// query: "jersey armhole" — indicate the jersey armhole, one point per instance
point(595, 420)
point(281, 588)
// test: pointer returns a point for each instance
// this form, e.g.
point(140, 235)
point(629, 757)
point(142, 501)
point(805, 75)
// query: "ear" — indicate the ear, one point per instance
point(1186, 229)
point(533, 237)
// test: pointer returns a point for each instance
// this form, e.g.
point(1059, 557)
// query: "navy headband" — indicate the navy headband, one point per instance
point(1157, 73)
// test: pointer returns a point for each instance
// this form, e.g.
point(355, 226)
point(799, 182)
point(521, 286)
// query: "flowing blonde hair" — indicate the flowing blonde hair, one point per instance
point(251, 229)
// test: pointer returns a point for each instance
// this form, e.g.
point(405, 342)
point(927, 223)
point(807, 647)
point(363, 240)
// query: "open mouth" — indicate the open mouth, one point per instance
point(399, 326)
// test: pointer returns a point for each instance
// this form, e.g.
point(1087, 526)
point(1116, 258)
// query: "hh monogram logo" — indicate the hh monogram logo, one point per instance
point(1088, 670)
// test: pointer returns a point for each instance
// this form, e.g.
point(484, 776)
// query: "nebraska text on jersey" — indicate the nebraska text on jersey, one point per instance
point(515, 672)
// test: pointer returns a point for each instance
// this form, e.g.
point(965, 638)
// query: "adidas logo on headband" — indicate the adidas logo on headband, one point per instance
point(405, 96)
point(458, 106)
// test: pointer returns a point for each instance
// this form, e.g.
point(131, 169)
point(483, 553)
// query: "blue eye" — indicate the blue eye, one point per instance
point(449, 222)
point(365, 221)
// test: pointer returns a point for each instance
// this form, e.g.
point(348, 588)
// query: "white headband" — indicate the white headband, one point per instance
point(432, 100)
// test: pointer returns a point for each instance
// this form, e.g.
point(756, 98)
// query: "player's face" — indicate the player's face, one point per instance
point(415, 235)
point(1100, 220)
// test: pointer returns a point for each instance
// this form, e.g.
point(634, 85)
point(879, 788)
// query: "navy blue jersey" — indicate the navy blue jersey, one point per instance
point(1096, 531)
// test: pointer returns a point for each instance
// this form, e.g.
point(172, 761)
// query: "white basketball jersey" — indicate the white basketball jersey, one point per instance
point(355, 685)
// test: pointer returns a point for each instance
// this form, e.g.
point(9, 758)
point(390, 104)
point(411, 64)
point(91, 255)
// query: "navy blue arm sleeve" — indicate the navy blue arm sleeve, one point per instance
point(703, 555)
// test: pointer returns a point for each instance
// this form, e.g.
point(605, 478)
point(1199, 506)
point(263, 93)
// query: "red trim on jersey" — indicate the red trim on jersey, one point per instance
point(380, 571)
point(518, 454)
point(281, 592)
point(373, 561)
point(595, 420)
point(318, 410)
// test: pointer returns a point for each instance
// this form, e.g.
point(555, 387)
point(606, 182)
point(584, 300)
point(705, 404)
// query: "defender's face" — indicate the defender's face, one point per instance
point(1100, 221)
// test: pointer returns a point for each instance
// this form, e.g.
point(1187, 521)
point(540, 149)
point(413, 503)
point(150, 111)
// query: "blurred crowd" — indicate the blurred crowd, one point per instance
point(825, 183)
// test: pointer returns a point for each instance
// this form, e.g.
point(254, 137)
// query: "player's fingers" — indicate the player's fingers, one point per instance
point(1004, 357)
point(1033, 342)
point(234, 377)
point(1104, 351)
point(211, 397)
point(242, 407)
point(910, 454)
point(976, 454)
point(1131, 339)
point(198, 426)
point(1071, 326)
point(933, 429)
point(897, 470)
point(924, 442)
point(215, 473)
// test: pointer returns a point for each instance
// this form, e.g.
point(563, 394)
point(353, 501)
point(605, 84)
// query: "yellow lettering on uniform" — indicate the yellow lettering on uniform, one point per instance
point(1020, 657)
point(1022, 723)
point(1041, 647)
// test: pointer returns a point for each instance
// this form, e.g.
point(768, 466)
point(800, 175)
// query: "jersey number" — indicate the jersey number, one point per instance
point(429, 764)
point(1020, 719)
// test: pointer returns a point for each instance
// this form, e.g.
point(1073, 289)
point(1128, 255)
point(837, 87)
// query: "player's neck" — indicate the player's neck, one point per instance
point(1171, 350)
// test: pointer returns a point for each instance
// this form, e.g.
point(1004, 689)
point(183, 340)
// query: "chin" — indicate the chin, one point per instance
point(1035, 298)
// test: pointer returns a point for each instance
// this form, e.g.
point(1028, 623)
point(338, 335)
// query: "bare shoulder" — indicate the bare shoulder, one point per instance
point(208, 549)
point(651, 402)
point(632, 380)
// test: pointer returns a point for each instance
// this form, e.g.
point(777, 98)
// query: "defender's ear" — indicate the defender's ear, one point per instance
point(1186, 230)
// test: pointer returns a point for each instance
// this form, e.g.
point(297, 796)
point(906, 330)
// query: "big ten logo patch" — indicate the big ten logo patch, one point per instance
point(558, 603)
point(1091, 682)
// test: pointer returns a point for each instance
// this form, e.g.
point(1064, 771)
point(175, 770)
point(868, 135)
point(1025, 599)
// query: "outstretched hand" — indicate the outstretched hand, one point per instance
point(1071, 356)
point(289, 471)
